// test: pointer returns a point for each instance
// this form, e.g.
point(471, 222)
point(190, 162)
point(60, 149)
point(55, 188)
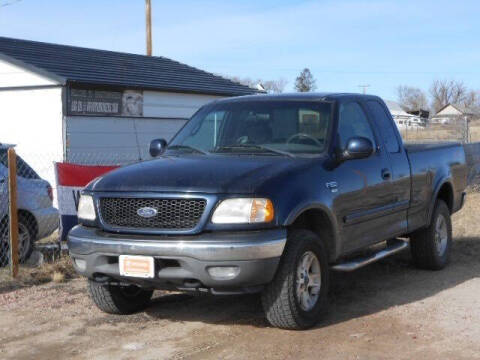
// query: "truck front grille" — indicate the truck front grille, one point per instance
point(168, 214)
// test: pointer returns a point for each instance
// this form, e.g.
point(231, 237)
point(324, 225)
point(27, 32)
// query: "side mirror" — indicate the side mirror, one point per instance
point(357, 148)
point(157, 147)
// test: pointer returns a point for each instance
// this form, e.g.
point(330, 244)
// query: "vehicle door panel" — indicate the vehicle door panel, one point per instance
point(400, 175)
point(364, 196)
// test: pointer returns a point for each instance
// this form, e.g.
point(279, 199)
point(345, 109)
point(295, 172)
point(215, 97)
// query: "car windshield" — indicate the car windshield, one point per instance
point(282, 128)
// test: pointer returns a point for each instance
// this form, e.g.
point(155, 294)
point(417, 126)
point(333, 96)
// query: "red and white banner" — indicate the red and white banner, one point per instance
point(71, 179)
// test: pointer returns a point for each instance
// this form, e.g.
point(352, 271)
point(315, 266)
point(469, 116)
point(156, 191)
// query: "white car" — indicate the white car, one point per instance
point(36, 215)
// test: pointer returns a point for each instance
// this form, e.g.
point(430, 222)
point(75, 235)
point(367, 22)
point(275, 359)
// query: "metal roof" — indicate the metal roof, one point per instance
point(73, 64)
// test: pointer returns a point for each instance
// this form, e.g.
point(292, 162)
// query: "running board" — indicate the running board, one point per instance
point(393, 247)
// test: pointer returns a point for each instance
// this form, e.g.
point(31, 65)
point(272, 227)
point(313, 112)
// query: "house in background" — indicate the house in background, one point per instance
point(403, 119)
point(451, 113)
point(92, 106)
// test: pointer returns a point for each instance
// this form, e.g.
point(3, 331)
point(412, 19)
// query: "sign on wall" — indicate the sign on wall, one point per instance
point(104, 102)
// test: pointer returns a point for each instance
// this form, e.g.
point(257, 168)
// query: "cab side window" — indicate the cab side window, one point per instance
point(353, 122)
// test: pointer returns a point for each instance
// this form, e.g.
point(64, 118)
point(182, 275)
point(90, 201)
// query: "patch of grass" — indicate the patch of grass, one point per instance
point(58, 271)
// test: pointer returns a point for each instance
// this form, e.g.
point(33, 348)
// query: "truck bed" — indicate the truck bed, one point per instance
point(427, 166)
point(415, 147)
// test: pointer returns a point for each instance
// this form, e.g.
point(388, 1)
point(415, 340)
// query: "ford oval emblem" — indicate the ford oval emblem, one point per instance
point(147, 212)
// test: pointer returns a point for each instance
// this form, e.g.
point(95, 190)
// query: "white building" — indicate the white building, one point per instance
point(403, 119)
point(452, 113)
point(93, 106)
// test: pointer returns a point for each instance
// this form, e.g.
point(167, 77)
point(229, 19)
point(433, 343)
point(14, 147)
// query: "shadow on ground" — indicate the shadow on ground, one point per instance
point(391, 282)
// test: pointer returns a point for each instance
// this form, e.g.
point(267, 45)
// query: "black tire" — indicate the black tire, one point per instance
point(4, 243)
point(279, 299)
point(427, 253)
point(26, 235)
point(26, 225)
point(120, 300)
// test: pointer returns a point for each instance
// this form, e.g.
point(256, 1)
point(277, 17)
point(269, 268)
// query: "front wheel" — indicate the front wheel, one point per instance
point(119, 299)
point(431, 246)
point(297, 295)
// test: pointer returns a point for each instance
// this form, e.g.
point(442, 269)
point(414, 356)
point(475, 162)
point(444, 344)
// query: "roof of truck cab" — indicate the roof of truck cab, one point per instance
point(307, 96)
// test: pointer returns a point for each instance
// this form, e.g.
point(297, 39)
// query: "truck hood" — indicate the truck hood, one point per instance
point(204, 174)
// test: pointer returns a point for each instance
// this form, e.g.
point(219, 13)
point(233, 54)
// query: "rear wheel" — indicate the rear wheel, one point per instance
point(431, 246)
point(297, 295)
point(119, 299)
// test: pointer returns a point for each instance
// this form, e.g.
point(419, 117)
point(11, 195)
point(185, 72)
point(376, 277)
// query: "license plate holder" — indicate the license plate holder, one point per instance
point(136, 266)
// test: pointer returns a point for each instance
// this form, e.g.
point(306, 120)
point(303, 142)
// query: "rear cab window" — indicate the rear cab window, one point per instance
point(385, 124)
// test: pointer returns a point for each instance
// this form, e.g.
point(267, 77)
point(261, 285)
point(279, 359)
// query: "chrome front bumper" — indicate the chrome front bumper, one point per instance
point(255, 253)
point(247, 245)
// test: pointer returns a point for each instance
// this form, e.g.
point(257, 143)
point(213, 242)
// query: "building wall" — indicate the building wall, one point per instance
point(15, 76)
point(173, 105)
point(32, 119)
point(119, 140)
point(448, 111)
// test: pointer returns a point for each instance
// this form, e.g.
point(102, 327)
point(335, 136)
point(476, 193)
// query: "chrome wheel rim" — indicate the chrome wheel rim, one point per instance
point(23, 241)
point(309, 281)
point(441, 235)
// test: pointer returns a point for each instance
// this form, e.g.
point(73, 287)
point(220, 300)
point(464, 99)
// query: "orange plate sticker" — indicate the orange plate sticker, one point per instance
point(136, 266)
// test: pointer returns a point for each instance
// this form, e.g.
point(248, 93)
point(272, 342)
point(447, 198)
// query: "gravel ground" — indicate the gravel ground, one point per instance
point(388, 310)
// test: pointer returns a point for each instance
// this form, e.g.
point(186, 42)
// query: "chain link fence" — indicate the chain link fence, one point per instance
point(37, 202)
point(458, 129)
point(41, 206)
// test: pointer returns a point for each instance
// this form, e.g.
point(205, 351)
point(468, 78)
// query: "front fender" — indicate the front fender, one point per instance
point(335, 243)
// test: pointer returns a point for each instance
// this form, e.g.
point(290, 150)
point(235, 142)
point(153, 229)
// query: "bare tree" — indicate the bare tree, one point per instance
point(472, 100)
point(305, 82)
point(270, 86)
point(444, 92)
point(274, 86)
point(411, 98)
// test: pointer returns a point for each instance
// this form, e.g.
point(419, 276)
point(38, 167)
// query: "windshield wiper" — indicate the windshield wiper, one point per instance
point(254, 146)
point(188, 147)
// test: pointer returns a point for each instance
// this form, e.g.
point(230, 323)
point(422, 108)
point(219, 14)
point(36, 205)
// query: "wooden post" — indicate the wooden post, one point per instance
point(148, 10)
point(12, 209)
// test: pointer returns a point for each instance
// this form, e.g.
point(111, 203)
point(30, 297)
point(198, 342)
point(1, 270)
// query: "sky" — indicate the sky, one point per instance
point(345, 43)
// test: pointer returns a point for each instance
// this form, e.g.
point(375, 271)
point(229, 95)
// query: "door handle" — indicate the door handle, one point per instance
point(386, 175)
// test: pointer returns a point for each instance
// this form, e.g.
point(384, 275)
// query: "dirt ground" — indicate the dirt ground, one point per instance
point(388, 310)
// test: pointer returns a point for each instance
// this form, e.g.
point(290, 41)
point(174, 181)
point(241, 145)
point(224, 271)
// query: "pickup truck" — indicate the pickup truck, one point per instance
point(268, 194)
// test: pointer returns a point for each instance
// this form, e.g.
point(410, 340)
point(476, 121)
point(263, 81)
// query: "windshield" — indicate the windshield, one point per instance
point(267, 127)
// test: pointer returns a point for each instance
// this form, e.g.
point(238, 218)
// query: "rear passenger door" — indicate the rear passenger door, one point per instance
point(400, 167)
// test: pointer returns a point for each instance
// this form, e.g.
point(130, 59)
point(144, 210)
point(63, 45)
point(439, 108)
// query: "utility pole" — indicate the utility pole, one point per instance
point(364, 87)
point(148, 10)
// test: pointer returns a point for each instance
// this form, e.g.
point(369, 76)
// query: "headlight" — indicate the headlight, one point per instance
point(86, 209)
point(243, 211)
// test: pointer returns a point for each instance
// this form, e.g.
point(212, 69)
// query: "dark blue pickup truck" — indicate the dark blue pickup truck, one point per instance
point(267, 194)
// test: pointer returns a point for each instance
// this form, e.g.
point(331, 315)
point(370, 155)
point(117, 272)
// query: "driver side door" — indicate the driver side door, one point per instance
point(364, 189)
